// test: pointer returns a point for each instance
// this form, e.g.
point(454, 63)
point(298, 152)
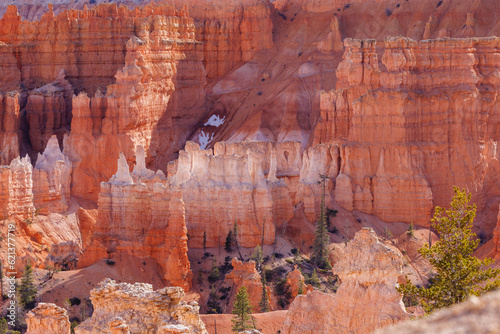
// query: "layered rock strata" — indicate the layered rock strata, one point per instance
point(47, 318)
point(369, 273)
point(16, 189)
point(259, 185)
point(136, 308)
point(155, 97)
point(142, 215)
point(10, 133)
point(51, 180)
point(396, 162)
point(46, 114)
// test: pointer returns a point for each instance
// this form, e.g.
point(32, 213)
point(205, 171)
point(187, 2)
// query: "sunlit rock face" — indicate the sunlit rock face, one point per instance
point(119, 307)
point(260, 186)
point(139, 213)
point(10, 132)
point(476, 315)
point(47, 318)
point(52, 179)
point(407, 119)
point(369, 272)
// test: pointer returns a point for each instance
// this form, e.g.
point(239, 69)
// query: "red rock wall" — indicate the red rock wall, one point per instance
point(405, 121)
point(154, 102)
point(144, 217)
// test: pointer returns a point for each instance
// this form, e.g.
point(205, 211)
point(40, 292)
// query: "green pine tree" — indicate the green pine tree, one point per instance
point(320, 251)
point(204, 242)
point(258, 257)
point(214, 273)
point(411, 230)
point(264, 301)
point(458, 273)
point(235, 235)
point(242, 310)
point(300, 290)
point(27, 290)
point(314, 279)
point(3, 326)
point(228, 247)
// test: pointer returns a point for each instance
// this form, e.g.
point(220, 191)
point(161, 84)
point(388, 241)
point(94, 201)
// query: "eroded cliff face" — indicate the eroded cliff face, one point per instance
point(142, 215)
point(10, 133)
point(268, 90)
point(51, 180)
point(48, 318)
point(369, 273)
point(260, 186)
point(119, 307)
point(408, 119)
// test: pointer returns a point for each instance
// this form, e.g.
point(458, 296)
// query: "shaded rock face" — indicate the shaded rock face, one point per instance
point(369, 272)
point(139, 213)
point(245, 275)
point(237, 182)
point(47, 318)
point(10, 133)
point(46, 114)
point(64, 255)
point(476, 315)
point(136, 308)
point(396, 162)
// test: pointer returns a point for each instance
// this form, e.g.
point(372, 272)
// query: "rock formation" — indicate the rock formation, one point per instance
point(16, 189)
point(47, 318)
point(245, 275)
point(235, 183)
point(405, 157)
point(139, 309)
point(312, 313)
point(10, 134)
point(51, 179)
point(142, 215)
point(46, 114)
point(295, 281)
point(476, 315)
point(369, 272)
point(64, 255)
